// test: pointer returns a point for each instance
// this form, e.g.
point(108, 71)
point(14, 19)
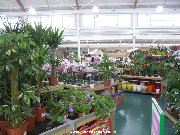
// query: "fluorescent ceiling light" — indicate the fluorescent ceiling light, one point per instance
point(95, 9)
point(32, 11)
point(159, 9)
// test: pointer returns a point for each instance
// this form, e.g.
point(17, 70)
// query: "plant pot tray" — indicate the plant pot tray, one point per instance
point(42, 128)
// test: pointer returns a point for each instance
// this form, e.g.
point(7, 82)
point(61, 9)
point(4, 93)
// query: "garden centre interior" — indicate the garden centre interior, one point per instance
point(90, 67)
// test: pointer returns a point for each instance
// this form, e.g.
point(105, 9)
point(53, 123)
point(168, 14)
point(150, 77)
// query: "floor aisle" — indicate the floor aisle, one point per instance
point(133, 116)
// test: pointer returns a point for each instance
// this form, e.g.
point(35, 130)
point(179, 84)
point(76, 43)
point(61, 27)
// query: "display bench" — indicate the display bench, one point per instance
point(60, 130)
point(52, 88)
point(144, 78)
point(71, 127)
point(91, 117)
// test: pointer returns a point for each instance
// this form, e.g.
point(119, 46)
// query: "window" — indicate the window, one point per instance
point(124, 20)
point(68, 21)
point(57, 21)
point(34, 19)
point(88, 20)
point(105, 20)
point(162, 19)
point(143, 20)
point(46, 21)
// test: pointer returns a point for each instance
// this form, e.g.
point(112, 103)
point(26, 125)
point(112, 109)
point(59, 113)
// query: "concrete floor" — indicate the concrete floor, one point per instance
point(133, 116)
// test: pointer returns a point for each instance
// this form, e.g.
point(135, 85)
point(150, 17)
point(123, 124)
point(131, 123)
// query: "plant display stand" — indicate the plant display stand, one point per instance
point(52, 88)
point(44, 129)
point(91, 117)
point(144, 78)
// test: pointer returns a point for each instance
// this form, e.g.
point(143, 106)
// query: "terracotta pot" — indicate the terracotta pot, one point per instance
point(150, 88)
point(16, 131)
point(40, 114)
point(80, 114)
point(107, 83)
point(53, 80)
point(175, 114)
point(93, 110)
point(30, 123)
point(3, 125)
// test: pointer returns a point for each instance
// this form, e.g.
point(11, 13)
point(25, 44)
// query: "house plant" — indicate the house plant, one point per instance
point(57, 110)
point(27, 97)
point(102, 104)
point(16, 49)
point(39, 35)
point(106, 67)
point(53, 40)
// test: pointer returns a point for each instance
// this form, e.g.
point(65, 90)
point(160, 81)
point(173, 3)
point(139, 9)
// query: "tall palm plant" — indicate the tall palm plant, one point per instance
point(54, 39)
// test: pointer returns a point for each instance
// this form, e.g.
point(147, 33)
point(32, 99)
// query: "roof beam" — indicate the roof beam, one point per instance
point(77, 4)
point(21, 5)
point(135, 3)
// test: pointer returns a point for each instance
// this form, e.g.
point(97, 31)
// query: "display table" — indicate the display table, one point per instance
point(61, 130)
point(91, 117)
point(52, 88)
point(144, 78)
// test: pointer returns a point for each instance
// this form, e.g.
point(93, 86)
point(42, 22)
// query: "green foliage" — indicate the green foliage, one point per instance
point(57, 110)
point(17, 28)
point(54, 38)
point(28, 95)
point(102, 104)
point(177, 128)
point(106, 65)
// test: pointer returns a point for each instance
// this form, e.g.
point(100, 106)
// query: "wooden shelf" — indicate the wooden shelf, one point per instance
point(52, 88)
point(141, 77)
point(138, 92)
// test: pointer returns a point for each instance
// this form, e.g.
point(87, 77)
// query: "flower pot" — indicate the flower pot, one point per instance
point(107, 83)
point(129, 86)
point(91, 85)
point(144, 88)
point(112, 81)
point(175, 114)
point(80, 114)
point(138, 87)
point(16, 131)
point(150, 88)
point(124, 86)
point(30, 123)
point(134, 87)
point(40, 114)
point(3, 125)
point(53, 80)
point(120, 86)
point(93, 110)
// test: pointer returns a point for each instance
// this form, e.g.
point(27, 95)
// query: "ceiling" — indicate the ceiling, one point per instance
point(118, 37)
point(44, 5)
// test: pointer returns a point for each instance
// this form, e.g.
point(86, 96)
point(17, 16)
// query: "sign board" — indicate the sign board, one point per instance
point(157, 121)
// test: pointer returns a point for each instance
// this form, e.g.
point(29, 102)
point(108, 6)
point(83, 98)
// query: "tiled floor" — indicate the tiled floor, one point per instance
point(133, 116)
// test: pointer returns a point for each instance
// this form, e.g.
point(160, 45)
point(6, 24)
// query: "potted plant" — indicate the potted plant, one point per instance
point(16, 51)
point(106, 66)
point(82, 105)
point(53, 40)
point(102, 104)
point(15, 115)
point(26, 97)
point(39, 35)
point(57, 110)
